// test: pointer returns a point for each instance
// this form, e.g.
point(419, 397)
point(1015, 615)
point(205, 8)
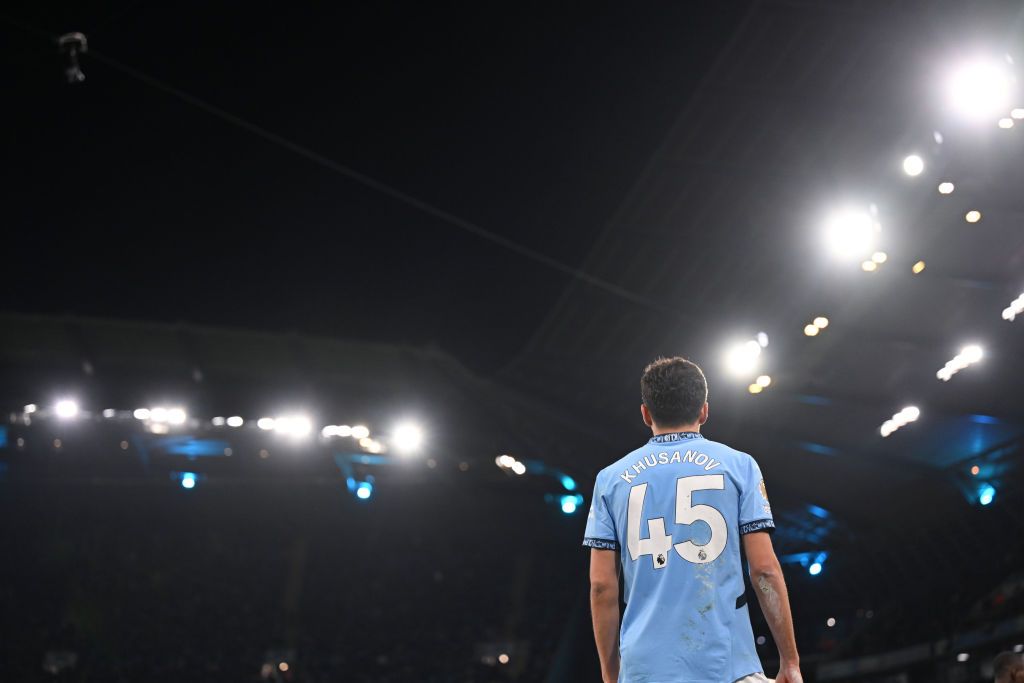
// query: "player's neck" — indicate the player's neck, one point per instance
point(658, 430)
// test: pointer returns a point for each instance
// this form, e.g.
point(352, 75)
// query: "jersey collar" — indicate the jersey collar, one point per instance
point(675, 436)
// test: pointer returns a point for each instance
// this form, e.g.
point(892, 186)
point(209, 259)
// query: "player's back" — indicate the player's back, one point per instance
point(676, 508)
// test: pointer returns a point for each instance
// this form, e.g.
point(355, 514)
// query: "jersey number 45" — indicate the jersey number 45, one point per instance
point(658, 543)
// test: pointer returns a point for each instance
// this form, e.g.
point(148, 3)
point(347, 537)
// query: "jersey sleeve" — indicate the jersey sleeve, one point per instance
point(600, 531)
point(755, 511)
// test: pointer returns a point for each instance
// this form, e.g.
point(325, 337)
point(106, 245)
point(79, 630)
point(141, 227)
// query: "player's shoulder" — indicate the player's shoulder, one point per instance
point(726, 451)
point(610, 473)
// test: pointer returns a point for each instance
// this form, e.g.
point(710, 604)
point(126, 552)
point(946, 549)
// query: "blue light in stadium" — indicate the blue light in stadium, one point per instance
point(364, 490)
point(986, 494)
point(568, 504)
point(568, 483)
point(188, 480)
point(814, 569)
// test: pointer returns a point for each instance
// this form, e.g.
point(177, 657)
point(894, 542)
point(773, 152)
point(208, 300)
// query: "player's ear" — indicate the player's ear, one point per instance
point(646, 415)
point(704, 413)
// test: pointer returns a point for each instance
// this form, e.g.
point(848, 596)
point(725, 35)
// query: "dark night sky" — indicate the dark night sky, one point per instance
point(532, 121)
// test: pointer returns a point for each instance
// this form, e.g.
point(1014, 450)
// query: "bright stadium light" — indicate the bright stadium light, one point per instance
point(969, 355)
point(568, 483)
point(1006, 123)
point(850, 233)
point(187, 480)
point(569, 504)
point(986, 494)
point(364, 490)
point(946, 188)
point(1017, 113)
point(814, 569)
point(980, 90)
point(821, 322)
point(830, 622)
point(66, 409)
point(918, 267)
point(293, 425)
point(31, 408)
point(811, 330)
point(1015, 308)
point(764, 381)
point(972, 216)
point(141, 413)
point(913, 165)
point(505, 461)
point(518, 467)
point(176, 416)
point(741, 359)
point(235, 421)
point(265, 423)
point(962, 657)
point(360, 432)
point(407, 437)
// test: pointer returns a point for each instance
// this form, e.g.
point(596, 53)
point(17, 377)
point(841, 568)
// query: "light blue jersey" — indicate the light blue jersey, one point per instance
point(676, 508)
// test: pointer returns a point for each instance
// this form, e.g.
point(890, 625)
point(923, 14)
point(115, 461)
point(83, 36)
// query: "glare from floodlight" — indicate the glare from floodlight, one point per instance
point(141, 413)
point(1017, 113)
point(265, 423)
point(911, 413)
point(1015, 308)
point(830, 622)
point(762, 340)
point(811, 330)
point(218, 422)
point(176, 416)
point(407, 437)
point(937, 136)
point(814, 569)
point(850, 233)
point(972, 353)
point(946, 187)
point(569, 504)
point(328, 431)
point(913, 165)
point(1005, 123)
point(505, 461)
point(235, 421)
point(360, 432)
point(764, 381)
point(66, 409)
point(918, 268)
point(31, 408)
point(518, 468)
point(969, 355)
point(109, 413)
point(503, 658)
point(755, 388)
point(972, 216)
point(568, 483)
point(188, 480)
point(980, 90)
point(821, 322)
point(343, 430)
point(962, 657)
point(741, 359)
point(293, 425)
point(364, 490)
point(158, 414)
point(869, 266)
point(879, 257)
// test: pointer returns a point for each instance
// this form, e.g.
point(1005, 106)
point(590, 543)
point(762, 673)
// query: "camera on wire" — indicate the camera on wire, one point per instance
point(71, 46)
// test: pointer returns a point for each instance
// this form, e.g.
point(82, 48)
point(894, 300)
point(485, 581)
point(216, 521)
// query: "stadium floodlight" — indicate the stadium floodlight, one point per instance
point(31, 408)
point(918, 267)
point(814, 569)
point(505, 461)
point(141, 413)
point(407, 437)
point(503, 658)
point(569, 504)
point(109, 413)
point(518, 467)
point(66, 409)
point(176, 416)
point(986, 494)
point(969, 355)
point(1017, 113)
point(972, 216)
point(830, 622)
point(811, 330)
point(900, 419)
point(963, 657)
point(265, 423)
point(980, 89)
point(329, 431)
point(187, 480)
point(360, 432)
point(1015, 308)
point(946, 187)
point(218, 421)
point(364, 490)
point(293, 425)
point(741, 359)
point(821, 322)
point(879, 257)
point(235, 421)
point(764, 381)
point(568, 483)
point(1006, 123)
point(158, 414)
point(913, 165)
point(762, 339)
point(850, 233)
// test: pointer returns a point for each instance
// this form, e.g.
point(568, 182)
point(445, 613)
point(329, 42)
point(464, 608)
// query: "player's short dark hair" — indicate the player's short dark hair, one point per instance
point(1008, 666)
point(674, 391)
